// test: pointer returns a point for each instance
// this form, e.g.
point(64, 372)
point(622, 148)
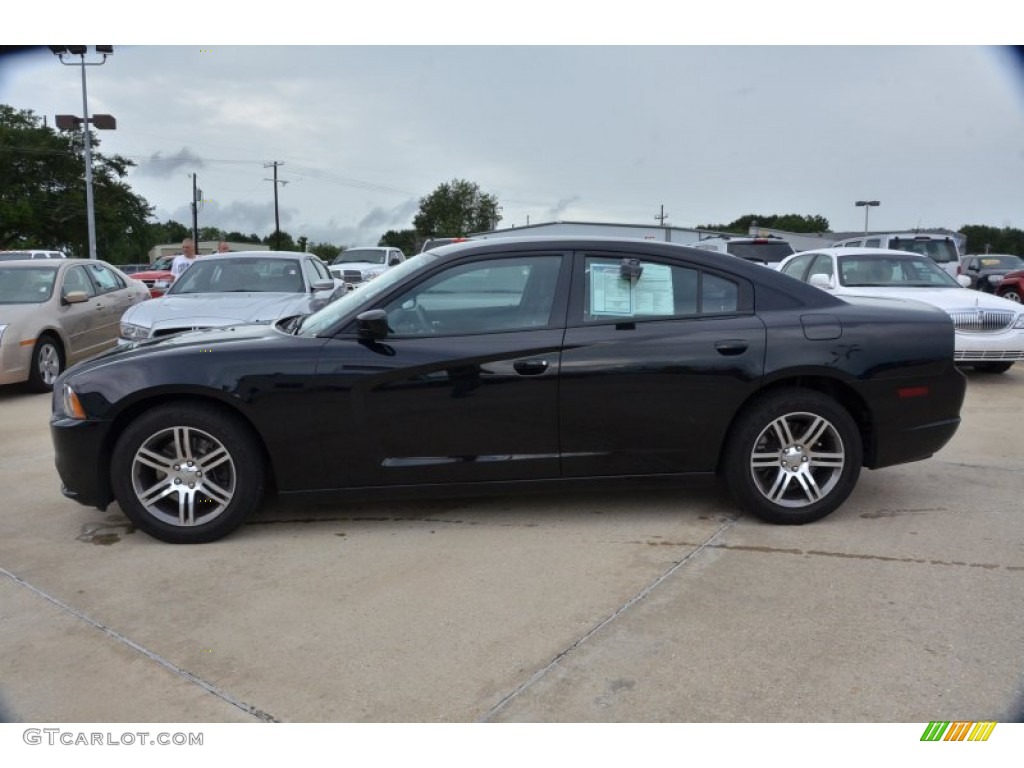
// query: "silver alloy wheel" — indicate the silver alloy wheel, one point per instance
point(183, 476)
point(48, 363)
point(1012, 296)
point(797, 460)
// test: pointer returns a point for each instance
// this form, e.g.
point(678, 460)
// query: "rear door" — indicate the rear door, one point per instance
point(654, 366)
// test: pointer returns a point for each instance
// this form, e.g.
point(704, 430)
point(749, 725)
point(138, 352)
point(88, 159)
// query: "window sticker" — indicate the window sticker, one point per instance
point(616, 296)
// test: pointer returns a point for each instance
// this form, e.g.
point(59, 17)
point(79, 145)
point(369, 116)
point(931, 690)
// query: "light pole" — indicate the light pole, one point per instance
point(103, 122)
point(868, 205)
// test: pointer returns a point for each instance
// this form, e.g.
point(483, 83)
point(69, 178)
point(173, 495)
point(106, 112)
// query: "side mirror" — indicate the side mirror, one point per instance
point(372, 324)
point(323, 285)
point(964, 280)
point(821, 280)
point(75, 297)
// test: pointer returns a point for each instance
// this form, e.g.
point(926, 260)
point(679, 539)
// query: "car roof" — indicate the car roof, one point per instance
point(863, 252)
point(232, 255)
point(629, 246)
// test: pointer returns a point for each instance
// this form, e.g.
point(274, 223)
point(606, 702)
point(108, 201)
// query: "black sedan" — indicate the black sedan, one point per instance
point(523, 363)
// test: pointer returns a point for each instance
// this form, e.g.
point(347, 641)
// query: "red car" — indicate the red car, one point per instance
point(1012, 286)
point(158, 278)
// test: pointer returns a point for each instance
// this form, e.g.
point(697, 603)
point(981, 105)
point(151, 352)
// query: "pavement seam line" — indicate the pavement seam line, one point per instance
point(166, 663)
point(543, 671)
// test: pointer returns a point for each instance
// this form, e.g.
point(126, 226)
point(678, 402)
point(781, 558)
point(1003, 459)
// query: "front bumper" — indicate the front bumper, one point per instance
point(81, 457)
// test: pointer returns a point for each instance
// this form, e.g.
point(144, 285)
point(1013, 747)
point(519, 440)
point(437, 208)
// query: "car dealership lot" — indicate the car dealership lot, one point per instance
point(904, 605)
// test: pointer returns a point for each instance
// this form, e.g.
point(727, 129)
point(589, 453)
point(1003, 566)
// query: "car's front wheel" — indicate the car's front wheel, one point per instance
point(792, 457)
point(1013, 294)
point(47, 363)
point(187, 473)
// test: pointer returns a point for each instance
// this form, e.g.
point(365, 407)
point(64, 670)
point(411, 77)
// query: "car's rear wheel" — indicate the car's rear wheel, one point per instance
point(47, 363)
point(187, 473)
point(792, 457)
point(1000, 367)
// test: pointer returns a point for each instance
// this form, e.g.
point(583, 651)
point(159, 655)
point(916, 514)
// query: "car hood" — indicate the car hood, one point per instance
point(199, 310)
point(949, 299)
point(11, 314)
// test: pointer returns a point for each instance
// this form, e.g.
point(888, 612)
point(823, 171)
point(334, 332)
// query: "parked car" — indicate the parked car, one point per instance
point(31, 254)
point(768, 251)
point(989, 330)
point(232, 289)
point(158, 277)
point(987, 271)
point(942, 249)
point(55, 312)
point(511, 364)
point(358, 265)
point(1012, 286)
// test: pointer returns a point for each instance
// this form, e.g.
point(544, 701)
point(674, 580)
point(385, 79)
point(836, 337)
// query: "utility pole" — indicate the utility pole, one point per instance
point(196, 193)
point(660, 218)
point(277, 219)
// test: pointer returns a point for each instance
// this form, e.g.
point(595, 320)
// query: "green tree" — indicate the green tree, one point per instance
point(286, 243)
point(455, 209)
point(325, 251)
point(790, 222)
point(984, 239)
point(238, 237)
point(407, 240)
point(42, 194)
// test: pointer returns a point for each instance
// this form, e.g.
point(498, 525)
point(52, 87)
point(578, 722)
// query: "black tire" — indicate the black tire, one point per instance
point(187, 473)
point(47, 364)
point(1001, 367)
point(792, 457)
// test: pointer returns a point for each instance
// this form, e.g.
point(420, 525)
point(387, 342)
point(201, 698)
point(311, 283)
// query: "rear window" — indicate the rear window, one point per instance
point(941, 251)
point(764, 251)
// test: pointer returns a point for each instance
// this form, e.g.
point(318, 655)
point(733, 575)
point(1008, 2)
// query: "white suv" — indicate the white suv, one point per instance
point(942, 249)
point(768, 251)
point(31, 254)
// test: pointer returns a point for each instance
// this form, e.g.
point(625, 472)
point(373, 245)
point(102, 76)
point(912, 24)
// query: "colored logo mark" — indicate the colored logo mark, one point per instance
point(958, 731)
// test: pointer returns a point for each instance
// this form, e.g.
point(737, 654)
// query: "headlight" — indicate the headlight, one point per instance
point(995, 279)
point(132, 332)
point(1020, 322)
point(2, 329)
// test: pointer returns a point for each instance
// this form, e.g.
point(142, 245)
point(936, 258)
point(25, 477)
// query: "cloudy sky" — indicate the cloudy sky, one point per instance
point(588, 132)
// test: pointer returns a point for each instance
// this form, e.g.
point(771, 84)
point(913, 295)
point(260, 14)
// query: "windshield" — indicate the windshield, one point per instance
point(33, 285)
point(939, 250)
point(766, 251)
point(364, 295)
point(14, 255)
point(240, 275)
point(893, 272)
point(354, 255)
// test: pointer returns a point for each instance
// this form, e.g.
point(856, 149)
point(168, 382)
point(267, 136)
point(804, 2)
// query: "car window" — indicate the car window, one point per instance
point(796, 267)
point(615, 289)
point(75, 279)
point(106, 279)
point(822, 265)
point(480, 297)
point(322, 273)
point(874, 271)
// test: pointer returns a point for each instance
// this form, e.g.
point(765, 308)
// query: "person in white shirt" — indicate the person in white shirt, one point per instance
point(184, 259)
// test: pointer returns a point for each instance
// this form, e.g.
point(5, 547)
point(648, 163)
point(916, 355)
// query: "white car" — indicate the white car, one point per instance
point(238, 288)
point(989, 330)
point(358, 265)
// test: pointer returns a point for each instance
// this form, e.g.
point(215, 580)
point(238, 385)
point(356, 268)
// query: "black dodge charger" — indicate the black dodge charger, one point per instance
point(503, 364)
